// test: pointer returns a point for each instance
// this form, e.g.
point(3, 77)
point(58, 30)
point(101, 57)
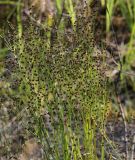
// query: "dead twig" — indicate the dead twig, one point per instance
point(133, 148)
point(125, 126)
point(27, 13)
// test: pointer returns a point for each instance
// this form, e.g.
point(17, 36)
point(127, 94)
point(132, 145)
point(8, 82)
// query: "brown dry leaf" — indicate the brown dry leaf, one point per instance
point(31, 150)
point(43, 6)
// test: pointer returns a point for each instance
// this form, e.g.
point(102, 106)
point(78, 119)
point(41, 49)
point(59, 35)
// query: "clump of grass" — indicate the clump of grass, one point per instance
point(62, 87)
point(127, 11)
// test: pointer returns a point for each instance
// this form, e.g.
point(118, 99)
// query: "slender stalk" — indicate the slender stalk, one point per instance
point(133, 148)
point(10, 3)
point(125, 126)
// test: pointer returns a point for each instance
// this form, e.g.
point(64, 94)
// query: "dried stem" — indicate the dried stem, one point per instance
point(125, 126)
point(133, 148)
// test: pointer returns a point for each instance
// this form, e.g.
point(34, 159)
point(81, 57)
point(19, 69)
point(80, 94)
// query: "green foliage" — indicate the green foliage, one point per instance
point(8, 2)
point(59, 6)
point(127, 9)
point(109, 13)
point(103, 2)
point(3, 53)
point(71, 11)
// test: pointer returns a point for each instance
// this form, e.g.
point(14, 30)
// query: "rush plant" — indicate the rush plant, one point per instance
point(62, 87)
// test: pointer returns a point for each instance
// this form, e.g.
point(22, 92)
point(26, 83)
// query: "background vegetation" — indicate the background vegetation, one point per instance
point(57, 71)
